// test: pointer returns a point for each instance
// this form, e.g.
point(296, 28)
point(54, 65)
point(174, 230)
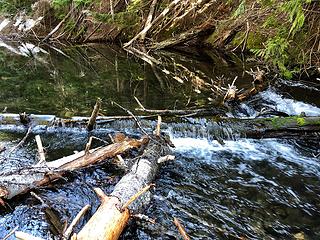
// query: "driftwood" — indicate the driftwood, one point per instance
point(113, 215)
point(21, 180)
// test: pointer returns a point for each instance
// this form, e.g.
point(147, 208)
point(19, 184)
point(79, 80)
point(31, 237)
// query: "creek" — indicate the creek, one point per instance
point(242, 189)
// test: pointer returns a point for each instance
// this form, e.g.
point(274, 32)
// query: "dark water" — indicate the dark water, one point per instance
point(244, 189)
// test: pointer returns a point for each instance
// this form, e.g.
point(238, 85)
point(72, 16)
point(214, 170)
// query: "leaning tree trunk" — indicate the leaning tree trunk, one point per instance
point(112, 216)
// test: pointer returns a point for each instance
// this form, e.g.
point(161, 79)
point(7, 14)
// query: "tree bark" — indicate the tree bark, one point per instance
point(112, 216)
point(22, 180)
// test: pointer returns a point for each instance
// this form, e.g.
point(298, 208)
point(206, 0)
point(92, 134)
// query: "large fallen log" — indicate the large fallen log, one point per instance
point(22, 180)
point(114, 212)
point(225, 128)
point(257, 128)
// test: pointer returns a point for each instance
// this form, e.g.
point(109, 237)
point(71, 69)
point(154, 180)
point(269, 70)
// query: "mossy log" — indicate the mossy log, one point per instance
point(112, 216)
point(22, 180)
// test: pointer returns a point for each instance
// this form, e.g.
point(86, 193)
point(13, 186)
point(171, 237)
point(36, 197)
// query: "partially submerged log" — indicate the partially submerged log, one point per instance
point(112, 216)
point(227, 128)
point(54, 121)
point(257, 128)
point(21, 180)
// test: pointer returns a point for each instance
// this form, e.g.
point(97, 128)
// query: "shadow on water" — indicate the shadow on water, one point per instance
point(244, 189)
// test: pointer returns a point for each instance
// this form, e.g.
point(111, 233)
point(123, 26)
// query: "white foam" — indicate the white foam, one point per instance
point(289, 106)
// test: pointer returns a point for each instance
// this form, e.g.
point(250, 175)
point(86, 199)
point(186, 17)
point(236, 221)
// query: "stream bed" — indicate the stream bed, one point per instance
point(242, 189)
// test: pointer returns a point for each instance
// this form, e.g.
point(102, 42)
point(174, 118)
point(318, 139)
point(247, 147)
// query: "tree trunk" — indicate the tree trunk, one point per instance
point(112, 216)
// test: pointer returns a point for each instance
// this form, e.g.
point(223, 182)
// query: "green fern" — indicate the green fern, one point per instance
point(294, 8)
point(240, 10)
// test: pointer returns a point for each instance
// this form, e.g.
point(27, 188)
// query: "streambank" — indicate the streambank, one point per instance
point(283, 42)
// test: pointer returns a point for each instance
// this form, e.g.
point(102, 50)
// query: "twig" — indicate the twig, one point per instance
point(139, 103)
point(21, 142)
point(10, 233)
point(40, 149)
point(181, 229)
point(138, 194)
point(133, 116)
point(38, 198)
point(75, 221)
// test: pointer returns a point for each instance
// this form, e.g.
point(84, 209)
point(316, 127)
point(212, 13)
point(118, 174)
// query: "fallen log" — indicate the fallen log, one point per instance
point(114, 212)
point(54, 121)
point(257, 128)
point(22, 180)
point(226, 128)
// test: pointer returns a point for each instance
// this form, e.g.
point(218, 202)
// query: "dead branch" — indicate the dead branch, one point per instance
point(40, 150)
point(94, 115)
point(181, 229)
point(154, 22)
point(75, 221)
point(58, 26)
point(21, 180)
point(149, 19)
point(144, 56)
point(134, 117)
point(21, 142)
point(181, 38)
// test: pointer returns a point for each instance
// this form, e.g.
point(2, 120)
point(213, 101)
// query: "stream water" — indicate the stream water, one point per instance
point(243, 189)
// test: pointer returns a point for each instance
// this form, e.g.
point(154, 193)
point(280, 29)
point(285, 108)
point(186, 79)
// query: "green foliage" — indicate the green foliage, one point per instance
point(271, 22)
point(82, 3)
point(276, 52)
point(12, 6)
point(57, 4)
point(277, 47)
point(128, 18)
point(240, 10)
point(294, 8)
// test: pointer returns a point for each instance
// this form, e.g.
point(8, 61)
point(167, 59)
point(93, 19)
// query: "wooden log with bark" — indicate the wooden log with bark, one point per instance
point(129, 196)
point(22, 180)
